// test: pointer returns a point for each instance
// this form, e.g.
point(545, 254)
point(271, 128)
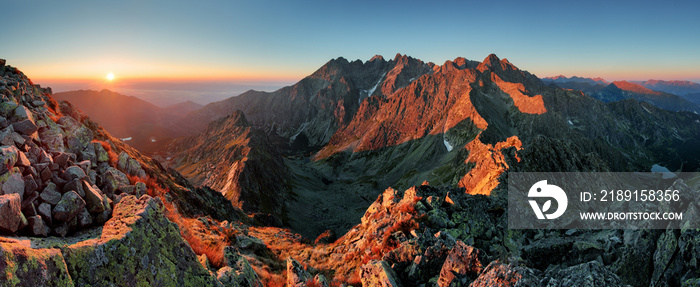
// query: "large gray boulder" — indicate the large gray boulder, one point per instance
point(10, 212)
point(70, 205)
point(237, 271)
point(14, 184)
point(77, 136)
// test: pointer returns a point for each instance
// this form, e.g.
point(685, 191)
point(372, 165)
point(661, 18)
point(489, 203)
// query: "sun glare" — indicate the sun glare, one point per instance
point(110, 77)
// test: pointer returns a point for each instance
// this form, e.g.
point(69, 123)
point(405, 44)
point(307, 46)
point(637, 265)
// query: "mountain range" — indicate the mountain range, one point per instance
point(383, 172)
point(146, 126)
point(670, 95)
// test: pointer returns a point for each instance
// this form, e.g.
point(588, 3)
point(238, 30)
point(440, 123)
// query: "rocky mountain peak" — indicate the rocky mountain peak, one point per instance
point(237, 118)
point(379, 58)
point(492, 62)
point(400, 57)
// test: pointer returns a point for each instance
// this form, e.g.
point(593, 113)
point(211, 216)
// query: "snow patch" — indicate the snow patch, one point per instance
point(447, 144)
point(301, 129)
point(371, 91)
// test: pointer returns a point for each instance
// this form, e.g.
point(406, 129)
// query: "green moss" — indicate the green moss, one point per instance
point(150, 251)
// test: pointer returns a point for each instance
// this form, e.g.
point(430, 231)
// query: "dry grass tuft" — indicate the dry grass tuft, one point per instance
point(207, 240)
point(113, 157)
point(312, 282)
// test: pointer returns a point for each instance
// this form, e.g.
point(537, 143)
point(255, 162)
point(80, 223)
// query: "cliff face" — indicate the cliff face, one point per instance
point(237, 160)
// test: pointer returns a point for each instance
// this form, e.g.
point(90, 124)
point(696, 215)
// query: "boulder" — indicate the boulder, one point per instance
point(7, 136)
point(77, 136)
point(100, 152)
point(296, 274)
point(37, 226)
point(60, 229)
point(14, 184)
point(94, 199)
point(7, 108)
point(8, 157)
point(30, 184)
point(73, 172)
point(378, 273)
point(32, 267)
point(22, 113)
point(85, 166)
point(70, 205)
point(238, 271)
point(75, 185)
point(52, 137)
point(10, 212)
point(635, 266)
point(137, 189)
point(45, 173)
point(50, 195)
point(548, 251)
point(25, 127)
point(504, 275)
point(62, 159)
point(463, 263)
point(84, 218)
point(114, 179)
point(22, 160)
point(130, 165)
point(29, 210)
point(44, 210)
point(45, 157)
point(140, 245)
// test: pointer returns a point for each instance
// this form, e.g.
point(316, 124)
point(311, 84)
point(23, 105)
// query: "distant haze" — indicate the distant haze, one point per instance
point(164, 93)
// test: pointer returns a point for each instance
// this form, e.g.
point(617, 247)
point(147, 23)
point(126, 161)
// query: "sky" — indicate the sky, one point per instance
point(269, 44)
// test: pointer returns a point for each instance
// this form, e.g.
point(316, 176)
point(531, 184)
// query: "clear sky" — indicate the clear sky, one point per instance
point(283, 41)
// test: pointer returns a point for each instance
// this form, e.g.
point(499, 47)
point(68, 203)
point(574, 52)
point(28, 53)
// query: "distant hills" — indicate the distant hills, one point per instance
point(146, 126)
point(669, 95)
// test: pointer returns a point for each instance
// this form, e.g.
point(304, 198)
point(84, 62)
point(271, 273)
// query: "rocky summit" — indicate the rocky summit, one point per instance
point(375, 173)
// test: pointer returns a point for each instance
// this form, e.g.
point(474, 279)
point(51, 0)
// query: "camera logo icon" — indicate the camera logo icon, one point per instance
point(543, 190)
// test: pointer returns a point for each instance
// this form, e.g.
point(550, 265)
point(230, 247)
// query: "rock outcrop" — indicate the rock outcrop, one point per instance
point(54, 161)
point(137, 245)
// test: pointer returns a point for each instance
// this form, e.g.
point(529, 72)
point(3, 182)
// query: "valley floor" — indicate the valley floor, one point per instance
point(324, 201)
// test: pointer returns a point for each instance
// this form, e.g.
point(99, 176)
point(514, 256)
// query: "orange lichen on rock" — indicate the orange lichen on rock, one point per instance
point(526, 104)
point(490, 164)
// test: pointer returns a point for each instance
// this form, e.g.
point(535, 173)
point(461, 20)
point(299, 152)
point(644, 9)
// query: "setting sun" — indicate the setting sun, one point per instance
point(110, 76)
